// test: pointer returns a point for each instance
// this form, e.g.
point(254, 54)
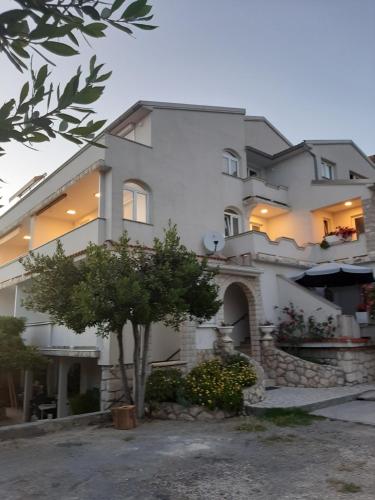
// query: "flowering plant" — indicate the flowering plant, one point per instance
point(362, 308)
point(294, 329)
point(218, 384)
point(344, 232)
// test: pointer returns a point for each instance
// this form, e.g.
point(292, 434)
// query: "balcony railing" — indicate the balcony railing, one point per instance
point(260, 245)
point(48, 335)
point(73, 242)
point(253, 186)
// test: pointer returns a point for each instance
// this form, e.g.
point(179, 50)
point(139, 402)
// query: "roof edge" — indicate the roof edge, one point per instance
point(272, 127)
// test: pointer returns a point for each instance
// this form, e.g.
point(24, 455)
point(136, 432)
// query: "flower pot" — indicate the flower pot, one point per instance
point(226, 330)
point(333, 239)
point(362, 317)
point(267, 330)
point(124, 417)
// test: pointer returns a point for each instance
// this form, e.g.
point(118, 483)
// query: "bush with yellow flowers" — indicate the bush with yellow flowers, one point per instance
point(219, 384)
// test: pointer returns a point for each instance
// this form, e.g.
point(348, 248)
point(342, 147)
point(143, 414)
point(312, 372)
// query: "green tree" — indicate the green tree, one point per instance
point(125, 283)
point(14, 354)
point(49, 28)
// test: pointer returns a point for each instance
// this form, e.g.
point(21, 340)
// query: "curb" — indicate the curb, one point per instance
point(317, 405)
point(41, 427)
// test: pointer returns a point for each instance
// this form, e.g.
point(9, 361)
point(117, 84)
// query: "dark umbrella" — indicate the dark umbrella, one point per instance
point(333, 274)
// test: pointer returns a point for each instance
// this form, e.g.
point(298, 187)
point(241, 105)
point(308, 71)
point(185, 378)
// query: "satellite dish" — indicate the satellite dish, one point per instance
point(213, 242)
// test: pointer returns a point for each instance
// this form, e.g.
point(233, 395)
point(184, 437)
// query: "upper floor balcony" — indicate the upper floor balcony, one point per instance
point(72, 216)
point(271, 231)
point(259, 188)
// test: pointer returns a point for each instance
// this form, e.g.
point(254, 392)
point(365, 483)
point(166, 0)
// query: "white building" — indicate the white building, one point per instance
point(207, 169)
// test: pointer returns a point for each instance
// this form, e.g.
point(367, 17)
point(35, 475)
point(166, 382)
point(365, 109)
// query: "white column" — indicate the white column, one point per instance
point(62, 388)
point(27, 394)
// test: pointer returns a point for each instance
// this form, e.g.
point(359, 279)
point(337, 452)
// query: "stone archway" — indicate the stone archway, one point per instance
point(247, 291)
point(236, 313)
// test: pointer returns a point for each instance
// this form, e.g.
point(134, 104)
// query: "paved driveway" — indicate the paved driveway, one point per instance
point(175, 461)
point(362, 412)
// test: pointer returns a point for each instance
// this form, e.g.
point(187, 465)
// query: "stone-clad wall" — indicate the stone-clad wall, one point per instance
point(287, 370)
point(357, 363)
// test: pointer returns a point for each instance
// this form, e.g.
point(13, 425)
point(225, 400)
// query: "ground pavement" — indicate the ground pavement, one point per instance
point(176, 461)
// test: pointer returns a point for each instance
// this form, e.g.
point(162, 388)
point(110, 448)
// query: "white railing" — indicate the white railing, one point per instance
point(259, 244)
point(253, 186)
point(73, 242)
point(46, 334)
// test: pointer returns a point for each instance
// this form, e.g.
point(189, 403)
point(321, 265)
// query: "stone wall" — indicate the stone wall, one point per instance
point(174, 411)
point(357, 363)
point(287, 370)
point(111, 386)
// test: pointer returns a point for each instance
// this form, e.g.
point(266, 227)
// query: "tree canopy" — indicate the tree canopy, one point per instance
point(47, 29)
point(14, 354)
point(125, 283)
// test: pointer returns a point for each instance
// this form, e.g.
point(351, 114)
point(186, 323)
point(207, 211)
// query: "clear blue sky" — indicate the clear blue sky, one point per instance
point(307, 65)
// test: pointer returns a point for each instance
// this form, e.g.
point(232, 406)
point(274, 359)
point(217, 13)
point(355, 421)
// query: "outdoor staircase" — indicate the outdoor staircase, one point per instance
point(245, 347)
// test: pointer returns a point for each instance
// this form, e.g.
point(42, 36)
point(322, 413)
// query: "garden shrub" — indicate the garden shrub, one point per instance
point(88, 402)
point(217, 384)
point(163, 385)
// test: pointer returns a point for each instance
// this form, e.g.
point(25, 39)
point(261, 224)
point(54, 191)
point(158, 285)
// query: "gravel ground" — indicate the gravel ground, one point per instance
point(175, 461)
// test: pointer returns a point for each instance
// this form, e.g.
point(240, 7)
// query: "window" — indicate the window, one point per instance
point(359, 224)
point(326, 226)
point(251, 172)
point(231, 222)
point(231, 164)
point(326, 169)
point(135, 202)
point(354, 175)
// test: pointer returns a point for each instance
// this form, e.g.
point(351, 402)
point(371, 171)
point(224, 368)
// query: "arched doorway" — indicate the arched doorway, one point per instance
point(236, 313)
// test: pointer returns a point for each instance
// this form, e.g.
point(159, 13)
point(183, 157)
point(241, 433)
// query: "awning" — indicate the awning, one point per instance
point(333, 274)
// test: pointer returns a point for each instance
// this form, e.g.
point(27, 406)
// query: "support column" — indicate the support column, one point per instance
point(62, 388)
point(27, 394)
point(188, 352)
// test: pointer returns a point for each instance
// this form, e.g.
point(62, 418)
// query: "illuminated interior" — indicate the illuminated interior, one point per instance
point(15, 243)
point(271, 219)
point(77, 206)
point(348, 213)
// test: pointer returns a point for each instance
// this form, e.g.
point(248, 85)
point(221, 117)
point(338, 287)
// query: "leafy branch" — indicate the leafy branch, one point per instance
point(34, 29)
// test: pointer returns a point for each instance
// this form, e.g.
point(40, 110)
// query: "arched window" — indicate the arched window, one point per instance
point(135, 202)
point(232, 222)
point(231, 164)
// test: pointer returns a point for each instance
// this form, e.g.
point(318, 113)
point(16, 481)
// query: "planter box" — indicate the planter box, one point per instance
point(124, 417)
point(333, 239)
point(362, 317)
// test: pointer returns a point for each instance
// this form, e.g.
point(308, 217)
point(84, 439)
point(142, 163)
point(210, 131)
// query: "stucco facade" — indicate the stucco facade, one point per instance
point(207, 169)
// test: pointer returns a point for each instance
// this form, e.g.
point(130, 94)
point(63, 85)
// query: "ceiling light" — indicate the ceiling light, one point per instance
point(348, 203)
point(264, 211)
point(97, 195)
point(27, 237)
point(71, 212)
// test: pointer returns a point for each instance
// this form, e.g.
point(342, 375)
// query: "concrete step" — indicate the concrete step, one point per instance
point(307, 399)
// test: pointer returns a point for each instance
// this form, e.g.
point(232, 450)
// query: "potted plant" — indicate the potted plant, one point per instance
point(225, 329)
point(362, 314)
point(267, 328)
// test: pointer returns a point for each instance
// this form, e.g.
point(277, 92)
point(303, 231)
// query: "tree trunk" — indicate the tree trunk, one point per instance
point(140, 366)
point(137, 365)
point(144, 370)
point(125, 384)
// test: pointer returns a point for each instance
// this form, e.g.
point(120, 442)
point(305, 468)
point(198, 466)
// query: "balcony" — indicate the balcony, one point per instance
point(259, 188)
point(73, 242)
point(47, 335)
point(259, 245)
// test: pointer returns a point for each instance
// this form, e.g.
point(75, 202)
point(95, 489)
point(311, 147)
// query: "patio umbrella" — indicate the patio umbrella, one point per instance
point(333, 274)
